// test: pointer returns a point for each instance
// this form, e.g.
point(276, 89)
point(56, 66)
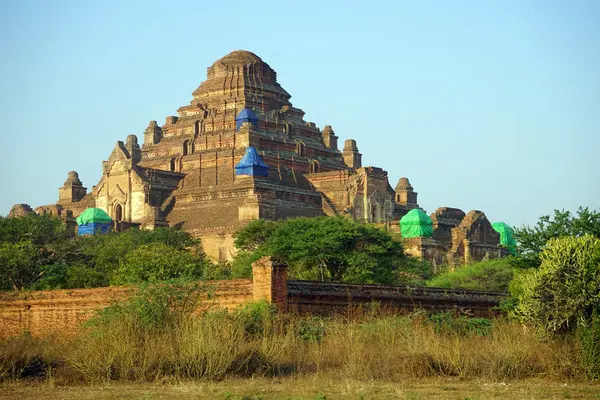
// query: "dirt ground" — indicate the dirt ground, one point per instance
point(305, 388)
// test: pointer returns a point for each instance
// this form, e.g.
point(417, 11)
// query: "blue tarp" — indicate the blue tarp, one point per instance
point(246, 115)
point(91, 228)
point(251, 164)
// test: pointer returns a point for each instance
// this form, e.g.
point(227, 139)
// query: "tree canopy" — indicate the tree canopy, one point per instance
point(532, 240)
point(330, 249)
point(36, 252)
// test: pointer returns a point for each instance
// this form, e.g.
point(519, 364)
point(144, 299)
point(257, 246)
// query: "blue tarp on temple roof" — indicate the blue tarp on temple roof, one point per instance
point(246, 115)
point(92, 228)
point(251, 164)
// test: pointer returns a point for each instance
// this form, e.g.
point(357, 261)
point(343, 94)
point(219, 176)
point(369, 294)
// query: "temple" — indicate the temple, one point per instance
point(240, 151)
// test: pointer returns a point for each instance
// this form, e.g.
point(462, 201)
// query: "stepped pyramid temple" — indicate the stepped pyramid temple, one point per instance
point(240, 151)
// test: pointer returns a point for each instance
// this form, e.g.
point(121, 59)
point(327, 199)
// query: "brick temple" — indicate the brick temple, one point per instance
point(184, 173)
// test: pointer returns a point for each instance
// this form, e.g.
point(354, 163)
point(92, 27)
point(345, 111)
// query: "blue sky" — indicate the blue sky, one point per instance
point(489, 105)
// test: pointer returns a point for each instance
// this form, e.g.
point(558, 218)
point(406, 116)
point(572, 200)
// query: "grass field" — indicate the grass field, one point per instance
point(309, 387)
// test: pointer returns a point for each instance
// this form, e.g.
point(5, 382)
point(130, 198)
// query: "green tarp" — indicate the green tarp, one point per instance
point(416, 224)
point(507, 236)
point(93, 215)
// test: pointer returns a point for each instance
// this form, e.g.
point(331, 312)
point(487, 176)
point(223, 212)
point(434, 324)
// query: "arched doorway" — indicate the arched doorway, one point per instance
point(315, 167)
point(118, 213)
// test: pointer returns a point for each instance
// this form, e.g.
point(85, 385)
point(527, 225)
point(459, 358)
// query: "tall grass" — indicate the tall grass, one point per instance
point(215, 345)
point(158, 334)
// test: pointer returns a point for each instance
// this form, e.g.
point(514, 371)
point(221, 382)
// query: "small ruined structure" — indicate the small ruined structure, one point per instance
point(240, 151)
point(456, 238)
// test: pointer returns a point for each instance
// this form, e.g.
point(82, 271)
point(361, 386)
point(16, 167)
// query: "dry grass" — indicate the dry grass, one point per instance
point(256, 343)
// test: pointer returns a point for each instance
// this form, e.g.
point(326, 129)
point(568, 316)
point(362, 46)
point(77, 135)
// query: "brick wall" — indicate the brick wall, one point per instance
point(328, 298)
point(63, 311)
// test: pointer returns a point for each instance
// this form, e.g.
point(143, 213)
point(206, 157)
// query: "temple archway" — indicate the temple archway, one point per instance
point(118, 213)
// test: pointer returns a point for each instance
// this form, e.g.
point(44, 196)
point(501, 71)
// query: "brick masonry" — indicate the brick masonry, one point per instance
point(63, 311)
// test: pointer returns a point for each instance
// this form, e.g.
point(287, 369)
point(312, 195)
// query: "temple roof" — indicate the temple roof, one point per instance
point(239, 57)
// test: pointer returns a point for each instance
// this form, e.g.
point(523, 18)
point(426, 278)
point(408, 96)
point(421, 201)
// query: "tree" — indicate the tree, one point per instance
point(20, 264)
point(532, 240)
point(329, 249)
point(158, 262)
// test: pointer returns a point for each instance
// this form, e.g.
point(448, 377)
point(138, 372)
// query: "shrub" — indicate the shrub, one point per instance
point(563, 294)
point(158, 262)
point(20, 264)
point(565, 289)
point(493, 275)
point(448, 322)
point(159, 306)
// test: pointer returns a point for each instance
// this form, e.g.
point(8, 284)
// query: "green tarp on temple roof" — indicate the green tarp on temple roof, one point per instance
point(507, 236)
point(416, 224)
point(93, 215)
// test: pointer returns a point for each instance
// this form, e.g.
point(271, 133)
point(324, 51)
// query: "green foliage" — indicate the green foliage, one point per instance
point(158, 262)
point(255, 235)
point(241, 266)
point(311, 329)
point(565, 289)
point(160, 306)
point(20, 264)
point(22, 251)
point(588, 333)
point(35, 252)
point(32, 228)
point(328, 249)
point(449, 322)
point(256, 318)
point(493, 275)
point(532, 240)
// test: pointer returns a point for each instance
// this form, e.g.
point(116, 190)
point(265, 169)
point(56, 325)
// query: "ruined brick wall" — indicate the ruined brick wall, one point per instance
point(270, 282)
point(63, 311)
point(329, 298)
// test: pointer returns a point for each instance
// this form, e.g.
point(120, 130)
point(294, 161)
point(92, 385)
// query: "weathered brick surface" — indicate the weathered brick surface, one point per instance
point(63, 311)
point(269, 282)
point(329, 298)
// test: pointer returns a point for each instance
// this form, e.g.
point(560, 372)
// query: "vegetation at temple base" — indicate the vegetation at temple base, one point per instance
point(493, 275)
point(36, 253)
point(330, 249)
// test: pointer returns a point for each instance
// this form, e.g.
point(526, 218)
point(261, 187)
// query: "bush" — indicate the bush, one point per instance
point(448, 322)
point(20, 264)
point(493, 275)
point(159, 306)
point(36, 229)
point(158, 262)
point(565, 289)
point(563, 294)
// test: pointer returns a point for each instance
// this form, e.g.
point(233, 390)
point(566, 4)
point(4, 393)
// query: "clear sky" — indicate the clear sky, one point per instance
point(483, 104)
